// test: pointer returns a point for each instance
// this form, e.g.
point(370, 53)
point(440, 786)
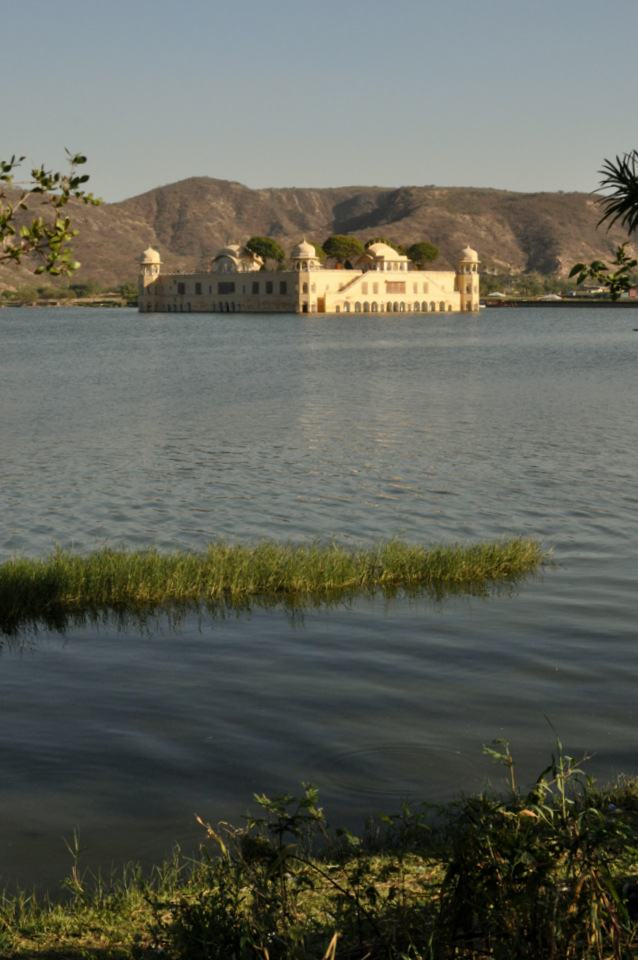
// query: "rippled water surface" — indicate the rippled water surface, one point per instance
point(173, 430)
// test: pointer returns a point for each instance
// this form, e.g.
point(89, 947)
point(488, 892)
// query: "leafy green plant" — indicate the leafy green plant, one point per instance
point(267, 249)
point(249, 903)
point(88, 288)
point(422, 253)
point(621, 177)
point(282, 886)
point(208, 922)
point(541, 874)
point(531, 876)
point(342, 248)
point(46, 237)
point(617, 282)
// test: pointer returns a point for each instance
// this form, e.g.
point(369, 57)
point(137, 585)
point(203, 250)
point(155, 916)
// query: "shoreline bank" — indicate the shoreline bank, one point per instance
point(567, 302)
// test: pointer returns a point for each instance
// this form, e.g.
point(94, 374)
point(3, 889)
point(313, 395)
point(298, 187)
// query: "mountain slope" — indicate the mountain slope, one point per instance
point(190, 220)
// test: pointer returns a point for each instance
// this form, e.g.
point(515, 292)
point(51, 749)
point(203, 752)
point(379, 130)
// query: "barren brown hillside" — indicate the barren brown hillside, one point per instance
point(188, 221)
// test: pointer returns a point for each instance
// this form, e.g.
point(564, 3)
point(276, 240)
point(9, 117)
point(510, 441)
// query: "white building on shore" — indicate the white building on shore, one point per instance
point(382, 281)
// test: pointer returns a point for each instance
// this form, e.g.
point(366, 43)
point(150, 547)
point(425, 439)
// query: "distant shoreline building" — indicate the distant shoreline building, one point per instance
point(382, 281)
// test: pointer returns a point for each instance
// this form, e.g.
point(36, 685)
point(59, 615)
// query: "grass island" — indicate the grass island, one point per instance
point(62, 586)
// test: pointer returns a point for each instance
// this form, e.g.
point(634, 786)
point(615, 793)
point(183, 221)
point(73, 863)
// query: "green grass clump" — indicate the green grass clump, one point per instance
point(228, 575)
point(542, 874)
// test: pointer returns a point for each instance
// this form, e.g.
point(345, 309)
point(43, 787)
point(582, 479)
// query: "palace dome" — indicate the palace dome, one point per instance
point(304, 251)
point(382, 250)
point(468, 254)
point(232, 250)
point(150, 256)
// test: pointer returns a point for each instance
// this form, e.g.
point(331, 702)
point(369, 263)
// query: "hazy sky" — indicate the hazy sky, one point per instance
point(518, 94)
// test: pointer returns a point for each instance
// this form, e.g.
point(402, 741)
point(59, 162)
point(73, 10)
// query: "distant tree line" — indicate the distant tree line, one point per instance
point(89, 289)
point(524, 284)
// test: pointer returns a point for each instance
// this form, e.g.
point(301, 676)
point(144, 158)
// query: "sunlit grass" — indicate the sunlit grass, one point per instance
point(226, 574)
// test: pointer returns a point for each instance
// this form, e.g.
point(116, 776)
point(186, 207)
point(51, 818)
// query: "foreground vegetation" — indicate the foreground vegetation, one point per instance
point(542, 873)
point(230, 576)
point(44, 238)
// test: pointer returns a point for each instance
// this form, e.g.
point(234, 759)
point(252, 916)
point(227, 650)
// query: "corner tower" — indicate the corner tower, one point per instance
point(467, 279)
point(305, 261)
point(150, 265)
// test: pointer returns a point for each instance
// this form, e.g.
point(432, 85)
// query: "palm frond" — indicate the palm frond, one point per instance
point(621, 177)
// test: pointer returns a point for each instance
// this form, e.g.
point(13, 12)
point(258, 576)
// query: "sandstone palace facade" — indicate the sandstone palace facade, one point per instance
point(382, 281)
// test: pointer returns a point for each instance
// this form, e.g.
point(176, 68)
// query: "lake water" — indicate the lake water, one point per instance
point(173, 430)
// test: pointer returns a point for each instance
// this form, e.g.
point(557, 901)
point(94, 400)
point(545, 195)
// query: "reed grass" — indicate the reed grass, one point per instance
point(232, 575)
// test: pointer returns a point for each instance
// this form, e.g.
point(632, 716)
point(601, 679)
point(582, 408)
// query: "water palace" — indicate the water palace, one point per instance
point(382, 281)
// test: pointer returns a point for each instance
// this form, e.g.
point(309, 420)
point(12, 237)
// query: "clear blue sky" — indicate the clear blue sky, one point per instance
point(518, 94)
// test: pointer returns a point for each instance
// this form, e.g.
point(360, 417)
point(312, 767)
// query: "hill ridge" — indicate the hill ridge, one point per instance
point(190, 219)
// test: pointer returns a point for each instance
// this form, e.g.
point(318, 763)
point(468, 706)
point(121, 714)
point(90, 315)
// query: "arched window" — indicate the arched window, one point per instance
point(402, 307)
point(416, 306)
point(357, 307)
point(304, 288)
point(366, 307)
point(432, 305)
point(424, 307)
point(442, 306)
point(375, 307)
